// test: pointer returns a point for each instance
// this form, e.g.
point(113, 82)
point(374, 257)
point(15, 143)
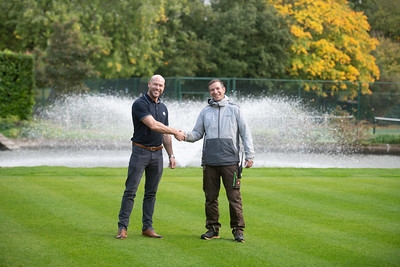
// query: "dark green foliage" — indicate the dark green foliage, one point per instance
point(67, 60)
point(16, 85)
point(248, 40)
point(185, 51)
point(383, 16)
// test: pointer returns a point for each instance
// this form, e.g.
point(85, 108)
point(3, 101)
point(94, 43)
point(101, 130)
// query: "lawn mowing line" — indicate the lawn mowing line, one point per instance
point(261, 256)
point(175, 248)
point(21, 246)
point(336, 211)
point(320, 238)
point(59, 206)
point(341, 203)
point(225, 232)
point(381, 187)
point(337, 174)
point(326, 201)
point(76, 240)
point(96, 193)
point(255, 252)
point(125, 250)
point(104, 249)
point(387, 186)
point(179, 193)
point(246, 212)
point(38, 249)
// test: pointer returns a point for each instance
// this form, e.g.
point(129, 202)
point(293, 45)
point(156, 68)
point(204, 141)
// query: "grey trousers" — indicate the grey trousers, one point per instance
point(211, 186)
point(150, 162)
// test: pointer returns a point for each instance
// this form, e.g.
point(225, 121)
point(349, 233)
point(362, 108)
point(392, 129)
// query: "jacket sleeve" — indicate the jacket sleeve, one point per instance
point(245, 135)
point(198, 130)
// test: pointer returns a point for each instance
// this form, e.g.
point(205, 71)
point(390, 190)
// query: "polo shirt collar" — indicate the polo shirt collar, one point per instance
point(148, 98)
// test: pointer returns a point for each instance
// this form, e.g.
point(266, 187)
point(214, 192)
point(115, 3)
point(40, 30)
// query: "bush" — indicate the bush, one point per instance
point(11, 126)
point(16, 85)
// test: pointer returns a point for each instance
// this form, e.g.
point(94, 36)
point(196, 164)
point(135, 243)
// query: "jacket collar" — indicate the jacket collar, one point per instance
point(224, 102)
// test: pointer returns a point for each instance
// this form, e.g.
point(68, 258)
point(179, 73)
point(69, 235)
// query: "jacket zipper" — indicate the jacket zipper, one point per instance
point(219, 117)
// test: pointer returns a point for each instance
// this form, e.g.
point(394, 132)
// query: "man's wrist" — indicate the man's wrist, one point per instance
point(171, 156)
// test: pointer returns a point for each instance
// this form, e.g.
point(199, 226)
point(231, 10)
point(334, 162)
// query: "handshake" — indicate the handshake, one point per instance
point(180, 135)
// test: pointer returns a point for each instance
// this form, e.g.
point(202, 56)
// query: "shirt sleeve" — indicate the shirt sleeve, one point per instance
point(140, 110)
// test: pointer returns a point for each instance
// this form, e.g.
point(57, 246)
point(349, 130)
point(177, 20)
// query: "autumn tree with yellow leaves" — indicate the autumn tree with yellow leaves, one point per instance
point(332, 42)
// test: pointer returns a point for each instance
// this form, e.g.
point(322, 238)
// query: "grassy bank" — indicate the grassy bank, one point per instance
point(58, 216)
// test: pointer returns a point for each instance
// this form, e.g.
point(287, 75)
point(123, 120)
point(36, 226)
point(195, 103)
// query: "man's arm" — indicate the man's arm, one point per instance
point(167, 142)
point(247, 140)
point(161, 128)
point(198, 130)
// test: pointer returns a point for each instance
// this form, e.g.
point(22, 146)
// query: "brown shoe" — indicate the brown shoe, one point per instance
point(122, 234)
point(151, 233)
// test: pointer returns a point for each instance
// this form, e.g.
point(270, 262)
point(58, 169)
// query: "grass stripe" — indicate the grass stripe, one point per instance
point(57, 216)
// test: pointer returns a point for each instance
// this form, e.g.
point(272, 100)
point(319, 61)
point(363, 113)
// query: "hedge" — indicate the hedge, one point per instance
point(16, 85)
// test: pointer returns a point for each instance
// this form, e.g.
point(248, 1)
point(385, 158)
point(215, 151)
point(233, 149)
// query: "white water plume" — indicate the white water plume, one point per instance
point(97, 121)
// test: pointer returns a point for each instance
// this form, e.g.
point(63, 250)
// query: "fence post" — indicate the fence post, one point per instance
point(358, 101)
point(299, 87)
point(374, 123)
point(43, 100)
point(234, 86)
point(179, 81)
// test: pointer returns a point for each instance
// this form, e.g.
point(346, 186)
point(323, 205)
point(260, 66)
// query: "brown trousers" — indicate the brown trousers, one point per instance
point(211, 188)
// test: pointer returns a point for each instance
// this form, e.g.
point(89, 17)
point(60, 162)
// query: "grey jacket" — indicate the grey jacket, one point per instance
point(222, 125)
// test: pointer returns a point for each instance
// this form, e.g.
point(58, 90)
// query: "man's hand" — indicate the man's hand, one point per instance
point(180, 135)
point(172, 163)
point(248, 163)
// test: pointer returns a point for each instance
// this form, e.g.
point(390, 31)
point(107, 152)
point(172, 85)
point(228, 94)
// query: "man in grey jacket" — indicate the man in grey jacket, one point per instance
point(222, 125)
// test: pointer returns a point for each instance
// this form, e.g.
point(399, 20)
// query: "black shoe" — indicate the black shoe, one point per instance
point(211, 233)
point(238, 235)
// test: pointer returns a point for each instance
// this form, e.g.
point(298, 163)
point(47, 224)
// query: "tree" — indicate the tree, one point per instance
point(124, 30)
point(332, 42)
point(184, 52)
point(386, 94)
point(248, 40)
point(383, 16)
point(130, 29)
point(388, 59)
point(10, 12)
point(67, 60)
point(31, 22)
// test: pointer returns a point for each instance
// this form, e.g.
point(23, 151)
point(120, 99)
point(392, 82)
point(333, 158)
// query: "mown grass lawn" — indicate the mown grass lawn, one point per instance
point(58, 216)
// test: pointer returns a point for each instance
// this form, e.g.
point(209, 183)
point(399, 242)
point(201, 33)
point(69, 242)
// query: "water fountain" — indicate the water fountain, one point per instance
point(95, 130)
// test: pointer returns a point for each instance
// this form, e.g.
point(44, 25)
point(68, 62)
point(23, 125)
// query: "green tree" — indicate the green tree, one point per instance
point(184, 53)
point(383, 16)
point(388, 59)
point(32, 22)
point(9, 15)
point(249, 40)
point(67, 60)
point(124, 30)
point(130, 29)
point(386, 94)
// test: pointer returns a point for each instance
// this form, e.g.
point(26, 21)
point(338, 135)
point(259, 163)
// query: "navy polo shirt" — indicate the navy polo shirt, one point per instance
point(141, 108)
